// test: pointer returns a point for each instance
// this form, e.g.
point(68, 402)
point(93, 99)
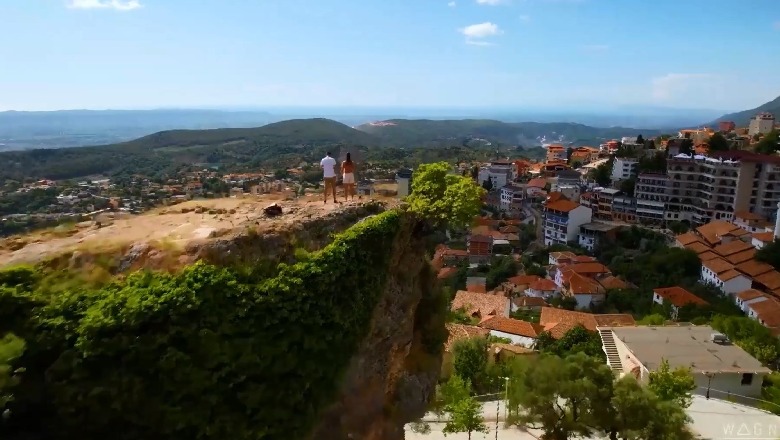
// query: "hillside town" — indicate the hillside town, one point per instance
point(551, 253)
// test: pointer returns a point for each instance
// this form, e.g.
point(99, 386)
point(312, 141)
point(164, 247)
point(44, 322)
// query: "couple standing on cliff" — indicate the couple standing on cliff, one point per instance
point(328, 165)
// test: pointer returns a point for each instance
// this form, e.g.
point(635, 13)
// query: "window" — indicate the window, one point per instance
point(747, 378)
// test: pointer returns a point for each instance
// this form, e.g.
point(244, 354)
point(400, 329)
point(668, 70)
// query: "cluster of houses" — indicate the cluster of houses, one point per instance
point(727, 253)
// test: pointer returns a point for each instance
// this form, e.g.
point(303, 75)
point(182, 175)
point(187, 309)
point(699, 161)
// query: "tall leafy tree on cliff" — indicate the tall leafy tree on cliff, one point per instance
point(443, 198)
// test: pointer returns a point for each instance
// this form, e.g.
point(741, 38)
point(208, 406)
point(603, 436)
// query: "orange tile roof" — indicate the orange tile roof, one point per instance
point(522, 280)
point(481, 230)
point(729, 274)
point(749, 294)
point(741, 257)
point(678, 296)
point(509, 229)
point(555, 196)
point(560, 321)
point(707, 256)
point(697, 247)
point(770, 279)
point(456, 332)
point(589, 268)
point(513, 326)
point(612, 282)
point(529, 301)
point(537, 183)
point(754, 268)
point(747, 215)
point(718, 265)
point(767, 311)
point(580, 285)
point(481, 304)
point(688, 238)
point(712, 231)
point(562, 205)
point(583, 259)
point(563, 255)
point(544, 285)
point(732, 247)
point(766, 237)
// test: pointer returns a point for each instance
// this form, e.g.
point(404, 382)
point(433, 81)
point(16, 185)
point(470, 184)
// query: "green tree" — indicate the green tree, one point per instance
point(673, 384)
point(487, 185)
point(770, 254)
point(552, 394)
point(442, 198)
point(602, 174)
point(11, 348)
point(654, 319)
point(718, 142)
point(751, 336)
point(770, 143)
point(500, 270)
point(469, 359)
point(627, 186)
point(465, 412)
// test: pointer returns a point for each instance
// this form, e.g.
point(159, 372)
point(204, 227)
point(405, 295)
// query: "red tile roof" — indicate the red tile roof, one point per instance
point(560, 321)
point(513, 326)
point(732, 247)
point(562, 205)
point(456, 332)
point(580, 285)
point(750, 294)
point(678, 296)
point(544, 285)
point(523, 280)
point(529, 301)
point(537, 183)
point(768, 311)
point(481, 304)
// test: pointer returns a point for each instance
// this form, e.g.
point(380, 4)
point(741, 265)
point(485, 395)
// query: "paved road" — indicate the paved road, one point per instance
point(712, 420)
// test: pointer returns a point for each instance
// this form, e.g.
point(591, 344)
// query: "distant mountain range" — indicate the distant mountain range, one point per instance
point(75, 128)
point(742, 119)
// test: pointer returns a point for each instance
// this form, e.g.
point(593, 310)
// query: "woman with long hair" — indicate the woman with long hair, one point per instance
point(348, 168)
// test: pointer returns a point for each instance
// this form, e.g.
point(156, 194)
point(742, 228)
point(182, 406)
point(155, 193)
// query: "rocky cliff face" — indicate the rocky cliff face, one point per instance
point(393, 375)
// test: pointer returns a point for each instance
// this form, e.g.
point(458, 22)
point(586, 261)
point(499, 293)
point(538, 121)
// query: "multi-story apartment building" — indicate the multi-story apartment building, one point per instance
point(605, 199)
point(624, 168)
point(499, 173)
point(562, 221)
point(624, 209)
point(701, 189)
point(761, 123)
point(512, 198)
point(556, 152)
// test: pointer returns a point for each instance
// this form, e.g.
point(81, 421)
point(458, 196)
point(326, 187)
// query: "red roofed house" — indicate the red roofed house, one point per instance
point(562, 221)
point(560, 321)
point(677, 297)
point(542, 288)
point(522, 333)
point(518, 284)
point(480, 248)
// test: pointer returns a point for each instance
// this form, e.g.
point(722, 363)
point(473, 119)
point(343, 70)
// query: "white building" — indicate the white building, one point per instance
point(512, 197)
point(542, 288)
point(716, 364)
point(499, 173)
point(521, 333)
point(761, 123)
point(723, 275)
point(403, 179)
point(748, 297)
point(562, 221)
point(624, 168)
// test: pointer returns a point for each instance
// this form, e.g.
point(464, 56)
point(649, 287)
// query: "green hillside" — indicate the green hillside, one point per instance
point(277, 143)
point(424, 131)
point(742, 119)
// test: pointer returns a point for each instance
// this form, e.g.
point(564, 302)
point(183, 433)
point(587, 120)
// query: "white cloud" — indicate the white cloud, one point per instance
point(117, 5)
point(525, 18)
point(477, 33)
point(452, 4)
point(678, 85)
point(491, 2)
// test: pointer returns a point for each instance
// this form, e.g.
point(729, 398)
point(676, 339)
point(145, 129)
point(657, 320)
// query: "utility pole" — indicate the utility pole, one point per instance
point(498, 412)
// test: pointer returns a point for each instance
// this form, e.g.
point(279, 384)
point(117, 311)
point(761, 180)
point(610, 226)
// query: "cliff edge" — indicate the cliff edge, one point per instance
point(333, 343)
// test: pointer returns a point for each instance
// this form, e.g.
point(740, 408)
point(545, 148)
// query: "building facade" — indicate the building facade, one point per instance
point(761, 123)
point(562, 221)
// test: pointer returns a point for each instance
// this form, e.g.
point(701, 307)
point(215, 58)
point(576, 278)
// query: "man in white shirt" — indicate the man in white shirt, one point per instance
point(328, 165)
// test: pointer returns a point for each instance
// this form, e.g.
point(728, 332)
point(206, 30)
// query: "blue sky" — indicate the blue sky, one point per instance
point(59, 54)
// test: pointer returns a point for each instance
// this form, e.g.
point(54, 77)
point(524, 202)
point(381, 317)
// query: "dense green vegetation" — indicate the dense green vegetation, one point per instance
point(442, 198)
point(206, 353)
point(578, 396)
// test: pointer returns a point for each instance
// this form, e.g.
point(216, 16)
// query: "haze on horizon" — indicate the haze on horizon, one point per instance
point(517, 54)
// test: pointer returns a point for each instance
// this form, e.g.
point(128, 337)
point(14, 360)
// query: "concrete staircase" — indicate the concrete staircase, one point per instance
point(608, 345)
